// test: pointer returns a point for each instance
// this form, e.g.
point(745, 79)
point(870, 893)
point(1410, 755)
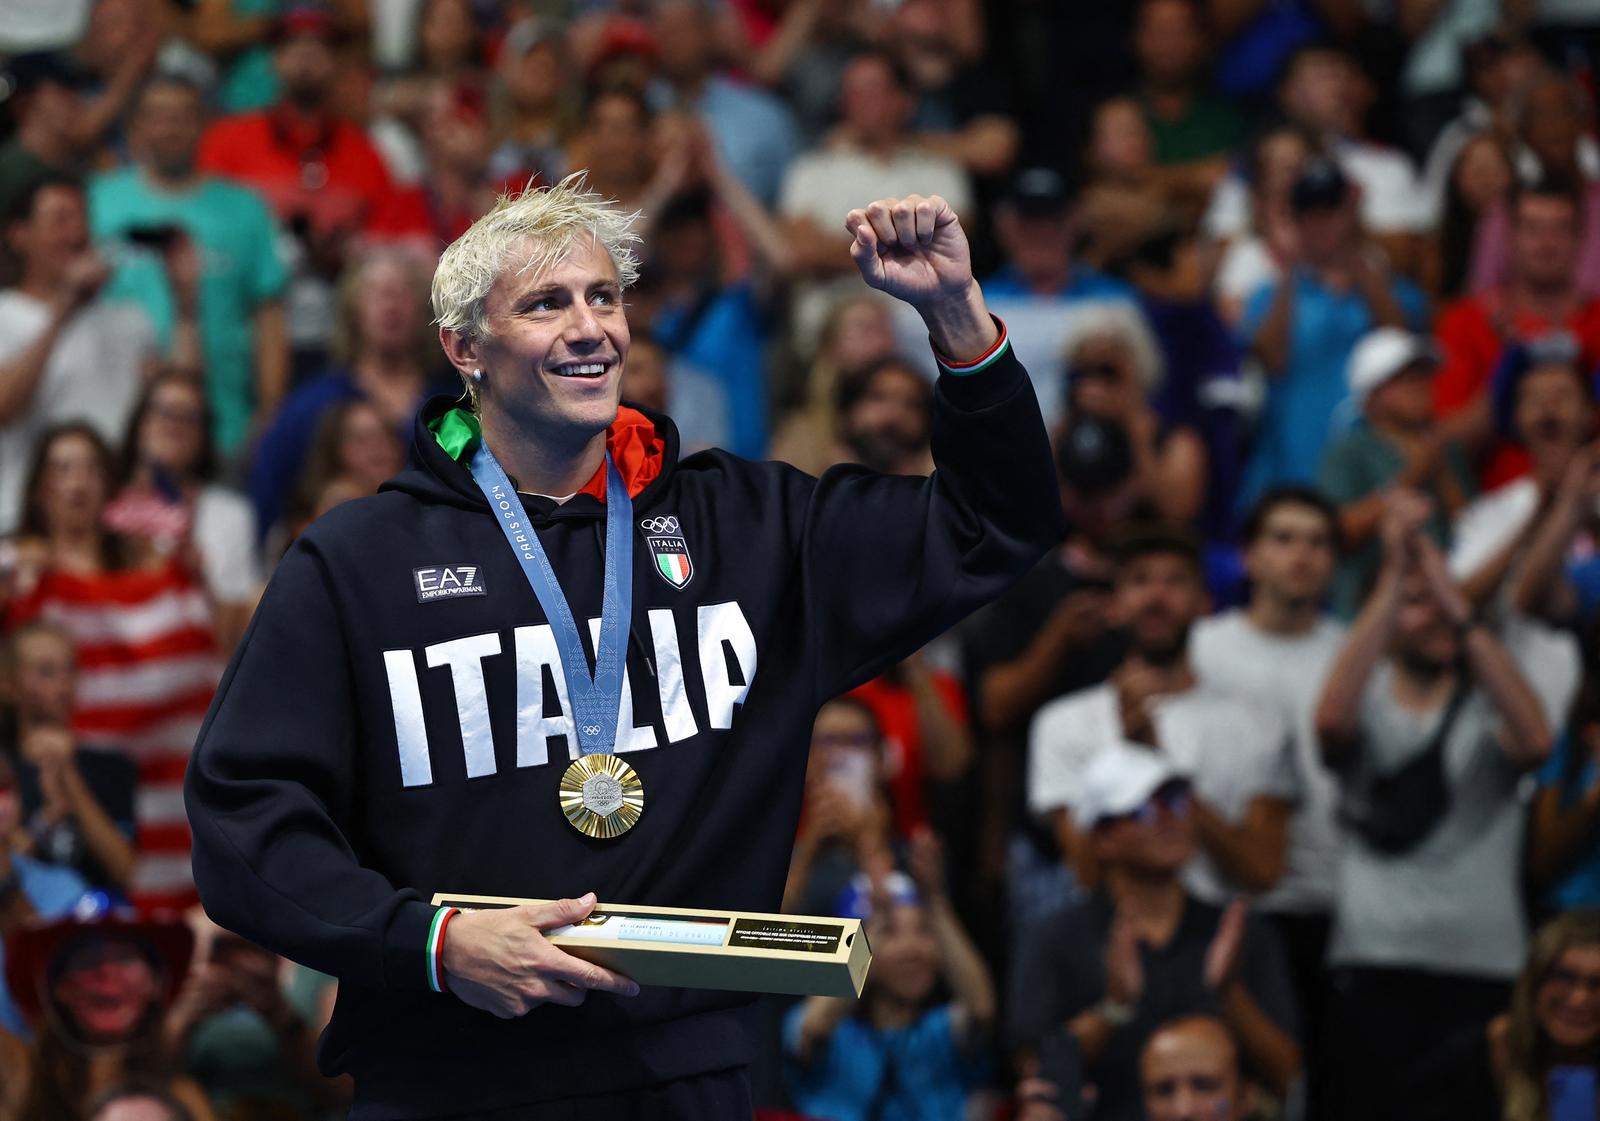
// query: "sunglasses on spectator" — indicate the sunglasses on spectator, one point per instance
point(1171, 800)
point(1103, 370)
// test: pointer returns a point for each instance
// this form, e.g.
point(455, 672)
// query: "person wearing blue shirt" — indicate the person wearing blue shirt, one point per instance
point(1035, 228)
point(898, 1055)
point(30, 890)
point(1303, 328)
point(1563, 843)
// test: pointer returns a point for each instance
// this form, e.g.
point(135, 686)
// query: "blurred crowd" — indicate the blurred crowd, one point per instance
point(1274, 791)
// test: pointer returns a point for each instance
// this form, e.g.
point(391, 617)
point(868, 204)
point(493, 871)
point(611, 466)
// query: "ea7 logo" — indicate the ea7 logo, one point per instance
point(445, 581)
point(668, 549)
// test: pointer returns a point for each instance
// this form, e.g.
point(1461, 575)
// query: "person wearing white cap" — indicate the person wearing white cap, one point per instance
point(1397, 442)
point(1110, 968)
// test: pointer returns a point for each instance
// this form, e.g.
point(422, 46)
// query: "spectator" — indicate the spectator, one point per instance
point(1563, 858)
point(872, 155)
point(1260, 253)
point(1239, 757)
point(322, 176)
point(616, 145)
point(1107, 970)
point(1541, 293)
point(1552, 119)
point(1543, 399)
point(1192, 128)
point(1480, 179)
point(382, 353)
point(138, 1101)
point(753, 132)
point(845, 819)
point(170, 467)
point(921, 711)
point(886, 419)
point(1431, 726)
point(858, 333)
point(1531, 1061)
point(1036, 231)
point(1190, 1071)
point(1127, 197)
point(1276, 651)
point(1304, 327)
point(77, 802)
point(96, 992)
point(1114, 368)
point(162, 201)
point(30, 890)
point(236, 1033)
point(65, 353)
point(352, 451)
point(902, 1052)
point(1557, 574)
point(142, 631)
point(1396, 442)
point(693, 398)
point(532, 107)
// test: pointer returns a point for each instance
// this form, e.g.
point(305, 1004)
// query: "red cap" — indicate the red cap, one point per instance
point(32, 953)
point(308, 19)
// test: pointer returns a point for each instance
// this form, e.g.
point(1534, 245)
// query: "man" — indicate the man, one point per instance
point(65, 353)
point(242, 276)
point(1190, 127)
point(323, 178)
point(341, 779)
point(1398, 441)
point(1304, 326)
point(1428, 926)
point(1190, 1071)
point(873, 156)
point(1036, 230)
point(1108, 969)
point(1238, 755)
point(754, 131)
point(1275, 651)
point(1540, 294)
point(885, 418)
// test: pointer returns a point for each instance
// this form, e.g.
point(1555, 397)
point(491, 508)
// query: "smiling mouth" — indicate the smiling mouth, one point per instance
point(582, 369)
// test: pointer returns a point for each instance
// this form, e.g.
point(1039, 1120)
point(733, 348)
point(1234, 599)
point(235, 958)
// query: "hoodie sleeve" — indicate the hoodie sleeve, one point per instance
point(890, 562)
point(270, 783)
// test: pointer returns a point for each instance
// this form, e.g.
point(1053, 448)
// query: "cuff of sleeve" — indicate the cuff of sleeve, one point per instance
point(406, 964)
point(1002, 375)
point(976, 365)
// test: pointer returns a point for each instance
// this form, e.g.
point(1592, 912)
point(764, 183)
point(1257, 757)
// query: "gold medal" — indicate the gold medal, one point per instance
point(602, 796)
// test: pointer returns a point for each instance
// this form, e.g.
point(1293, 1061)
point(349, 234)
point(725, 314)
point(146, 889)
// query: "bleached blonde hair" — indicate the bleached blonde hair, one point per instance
point(1119, 321)
point(544, 224)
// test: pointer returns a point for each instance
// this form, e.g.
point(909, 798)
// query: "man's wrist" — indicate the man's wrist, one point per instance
point(961, 329)
point(435, 948)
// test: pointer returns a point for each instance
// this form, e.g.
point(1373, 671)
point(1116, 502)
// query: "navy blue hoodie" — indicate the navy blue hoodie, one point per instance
point(394, 724)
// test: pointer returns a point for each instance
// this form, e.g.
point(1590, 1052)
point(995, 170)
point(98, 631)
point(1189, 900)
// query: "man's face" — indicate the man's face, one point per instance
point(1424, 639)
point(1156, 839)
point(55, 231)
point(1039, 246)
point(1318, 92)
point(306, 66)
point(1189, 1072)
point(1326, 231)
point(1158, 598)
point(1291, 560)
point(166, 127)
point(1406, 399)
point(682, 39)
point(1553, 413)
point(888, 426)
point(557, 340)
point(1167, 42)
point(1545, 238)
point(618, 135)
point(871, 100)
point(1552, 124)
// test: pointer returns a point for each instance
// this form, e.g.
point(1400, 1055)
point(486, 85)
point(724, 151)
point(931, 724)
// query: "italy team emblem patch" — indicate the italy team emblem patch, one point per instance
point(668, 550)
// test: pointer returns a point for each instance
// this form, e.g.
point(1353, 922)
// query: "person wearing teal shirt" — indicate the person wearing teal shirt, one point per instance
point(241, 272)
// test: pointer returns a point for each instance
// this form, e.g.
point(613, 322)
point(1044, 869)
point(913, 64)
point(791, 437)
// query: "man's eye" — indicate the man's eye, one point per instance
point(603, 298)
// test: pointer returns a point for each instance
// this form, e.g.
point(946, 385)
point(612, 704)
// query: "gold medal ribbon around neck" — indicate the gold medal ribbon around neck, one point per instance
point(601, 796)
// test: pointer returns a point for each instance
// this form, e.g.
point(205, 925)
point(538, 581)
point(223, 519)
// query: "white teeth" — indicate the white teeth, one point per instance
point(582, 370)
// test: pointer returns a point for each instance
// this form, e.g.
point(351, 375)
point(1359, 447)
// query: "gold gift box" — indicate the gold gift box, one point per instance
point(699, 948)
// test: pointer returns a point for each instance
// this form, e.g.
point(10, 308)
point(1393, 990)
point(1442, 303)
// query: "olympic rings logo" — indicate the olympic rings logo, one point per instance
point(668, 524)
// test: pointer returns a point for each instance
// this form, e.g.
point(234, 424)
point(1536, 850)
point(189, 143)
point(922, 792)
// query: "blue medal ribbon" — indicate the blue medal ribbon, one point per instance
point(597, 700)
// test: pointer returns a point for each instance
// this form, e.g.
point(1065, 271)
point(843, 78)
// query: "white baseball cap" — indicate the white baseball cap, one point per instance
point(1380, 355)
point(1119, 779)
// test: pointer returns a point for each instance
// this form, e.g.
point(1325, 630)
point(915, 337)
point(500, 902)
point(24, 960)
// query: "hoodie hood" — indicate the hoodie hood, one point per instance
point(643, 444)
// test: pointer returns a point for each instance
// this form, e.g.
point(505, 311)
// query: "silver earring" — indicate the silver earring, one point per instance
point(477, 377)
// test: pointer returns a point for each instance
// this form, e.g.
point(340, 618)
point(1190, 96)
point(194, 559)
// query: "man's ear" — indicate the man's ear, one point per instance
point(461, 350)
